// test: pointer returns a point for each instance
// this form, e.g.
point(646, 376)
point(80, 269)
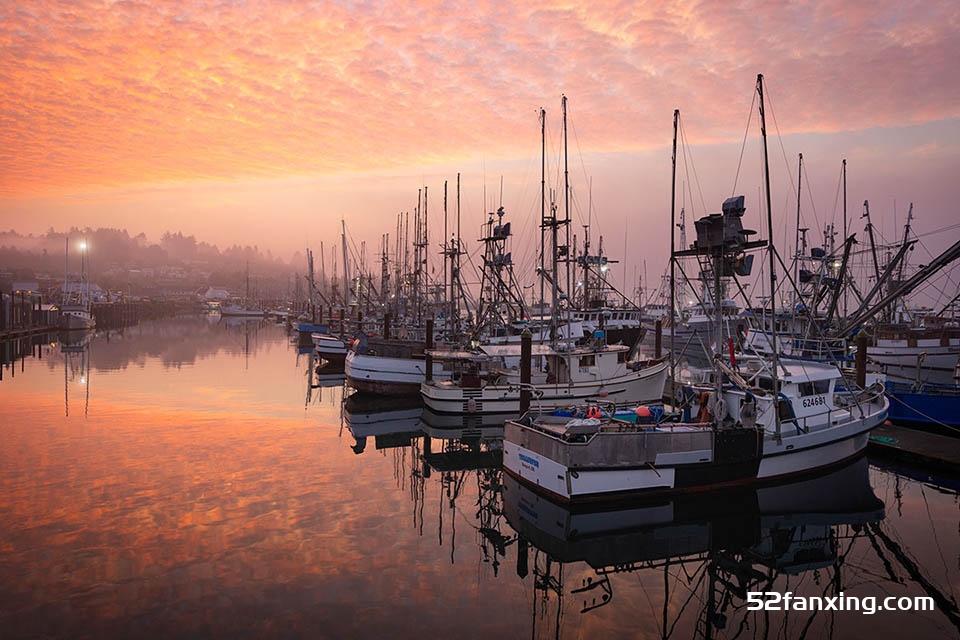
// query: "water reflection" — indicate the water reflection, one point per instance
point(223, 497)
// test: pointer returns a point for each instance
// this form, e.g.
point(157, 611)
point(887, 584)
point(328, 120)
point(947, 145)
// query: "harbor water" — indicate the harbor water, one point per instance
point(194, 477)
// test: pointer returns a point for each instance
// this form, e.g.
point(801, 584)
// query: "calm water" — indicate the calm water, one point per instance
point(196, 478)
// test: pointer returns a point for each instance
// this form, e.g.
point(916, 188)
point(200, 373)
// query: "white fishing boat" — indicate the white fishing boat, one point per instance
point(746, 435)
point(75, 311)
point(388, 367)
point(764, 420)
point(489, 382)
point(937, 349)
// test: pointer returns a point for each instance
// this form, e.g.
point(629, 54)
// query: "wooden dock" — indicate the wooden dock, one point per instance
point(929, 450)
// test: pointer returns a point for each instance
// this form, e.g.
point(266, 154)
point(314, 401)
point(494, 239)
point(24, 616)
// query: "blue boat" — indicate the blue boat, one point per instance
point(927, 404)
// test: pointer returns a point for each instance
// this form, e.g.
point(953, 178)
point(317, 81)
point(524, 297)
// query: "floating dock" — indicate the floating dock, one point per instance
point(930, 450)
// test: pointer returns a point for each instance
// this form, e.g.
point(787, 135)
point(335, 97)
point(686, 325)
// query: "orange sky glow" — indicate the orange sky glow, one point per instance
point(266, 122)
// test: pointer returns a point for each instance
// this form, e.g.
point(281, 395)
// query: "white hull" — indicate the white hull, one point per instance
point(688, 469)
point(385, 375)
point(898, 353)
point(72, 319)
point(329, 347)
point(645, 386)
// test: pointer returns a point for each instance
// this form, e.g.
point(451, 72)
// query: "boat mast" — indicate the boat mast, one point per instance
point(770, 253)
point(566, 197)
point(844, 171)
point(796, 238)
point(673, 259)
point(346, 264)
point(543, 212)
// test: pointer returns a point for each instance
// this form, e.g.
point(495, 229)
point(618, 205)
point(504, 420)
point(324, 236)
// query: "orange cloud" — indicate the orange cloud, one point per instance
point(115, 93)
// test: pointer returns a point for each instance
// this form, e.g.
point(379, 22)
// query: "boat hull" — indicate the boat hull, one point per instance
point(662, 461)
point(929, 406)
point(385, 375)
point(931, 353)
point(75, 319)
point(645, 386)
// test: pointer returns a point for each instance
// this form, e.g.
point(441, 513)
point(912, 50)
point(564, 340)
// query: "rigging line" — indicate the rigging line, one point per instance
point(576, 142)
point(743, 146)
point(783, 150)
point(685, 146)
point(813, 205)
point(936, 541)
point(836, 201)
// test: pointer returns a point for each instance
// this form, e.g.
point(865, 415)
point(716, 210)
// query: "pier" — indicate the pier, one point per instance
point(929, 450)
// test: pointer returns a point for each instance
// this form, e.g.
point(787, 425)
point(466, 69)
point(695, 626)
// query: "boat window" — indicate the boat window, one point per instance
point(588, 361)
point(815, 388)
point(622, 356)
point(765, 383)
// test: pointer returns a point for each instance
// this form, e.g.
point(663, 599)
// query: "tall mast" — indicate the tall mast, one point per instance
point(446, 256)
point(566, 197)
point(346, 264)
point(770, 250)
point(673, 226)
point(66, 256)
point(455, 269)
point(543, 202)
point(844, 171)
point(796, 238)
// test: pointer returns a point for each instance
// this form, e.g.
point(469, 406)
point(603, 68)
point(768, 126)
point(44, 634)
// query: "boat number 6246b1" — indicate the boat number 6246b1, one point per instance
point(814, 401)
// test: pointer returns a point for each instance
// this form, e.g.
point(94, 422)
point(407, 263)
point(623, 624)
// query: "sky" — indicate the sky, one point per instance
point(268, 122)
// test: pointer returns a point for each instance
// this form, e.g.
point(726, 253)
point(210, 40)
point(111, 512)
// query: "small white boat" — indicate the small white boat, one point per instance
point(330, 348)
point(240, 311)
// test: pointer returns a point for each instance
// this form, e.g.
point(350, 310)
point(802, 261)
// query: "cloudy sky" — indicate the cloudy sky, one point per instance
point(268, 122)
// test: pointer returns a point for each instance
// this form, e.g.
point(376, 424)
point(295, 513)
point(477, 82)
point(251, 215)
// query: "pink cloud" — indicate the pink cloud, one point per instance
point(118, 93)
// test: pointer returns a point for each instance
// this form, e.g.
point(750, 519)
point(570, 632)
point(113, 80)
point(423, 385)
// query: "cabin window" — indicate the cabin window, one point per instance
point(815, 388)
point(765, 383)
point(588, 361)
point(622, 356)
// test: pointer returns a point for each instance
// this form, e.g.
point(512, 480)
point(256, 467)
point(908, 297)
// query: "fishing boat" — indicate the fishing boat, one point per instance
point(744, 435)
point(925, 404)
point(75, 311)
point(763, 420)
point(485, 383)
point(388, 367)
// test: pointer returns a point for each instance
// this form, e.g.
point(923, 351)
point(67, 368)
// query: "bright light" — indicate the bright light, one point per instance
point(83, 246)
point(604, 269)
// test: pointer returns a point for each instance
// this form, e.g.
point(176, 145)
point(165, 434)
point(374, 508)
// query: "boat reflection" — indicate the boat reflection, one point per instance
point(707, 548)
point(75, 347)
point(391, 421)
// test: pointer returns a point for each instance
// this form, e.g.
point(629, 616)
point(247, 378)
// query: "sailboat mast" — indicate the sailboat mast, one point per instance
point(770, 250)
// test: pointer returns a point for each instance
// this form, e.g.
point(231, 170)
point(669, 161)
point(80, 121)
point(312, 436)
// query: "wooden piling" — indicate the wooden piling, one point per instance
point(526, 355)
point(428, 359)
point(861, 361)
